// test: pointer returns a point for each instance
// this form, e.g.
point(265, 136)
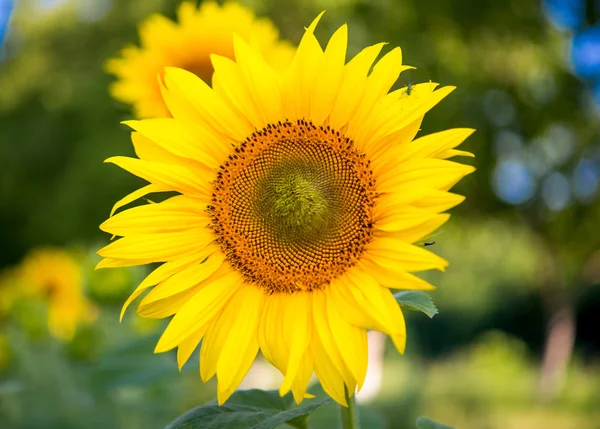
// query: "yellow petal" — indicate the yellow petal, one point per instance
point(331, 72)
point(327, 373)
point(388, 119)
point(436, 144)
point(241, 345)
point(183, 109)
point(301, 75)
point(262, 82)
point(212, 344)
point(168, 306)
point(297, 329)
point(400, 218)
point(245, 360)
point(187, 346)
point(355, 307)
point(409, 223)
point(176, 137)
point(175, 214)
point(453, 152)
point(148, 189)
point(154, 28)
point(399, 338)
point(385, 72)
point(423, 173)
point(384, 152)
point(354, 81)
point(216, 114)
point(358, 297)
point(199, 309)
point(229, 84)
point(351, 341)
point(440, 201)
point(417, 232)
point(376, 137)
point(270, 331)
point(393, 276)
point(119, 263)
point(373, 302)
point(185, 279)
point(148, 150)
point(163, 272)
point(158, 247)
point(166, 176)
point(305, 371)
point(393, 252)
point(326, 338)
point(432, 200)
point(187, 13)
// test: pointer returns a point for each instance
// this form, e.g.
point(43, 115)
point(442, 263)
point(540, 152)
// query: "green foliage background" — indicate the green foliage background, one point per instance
point(475, 365)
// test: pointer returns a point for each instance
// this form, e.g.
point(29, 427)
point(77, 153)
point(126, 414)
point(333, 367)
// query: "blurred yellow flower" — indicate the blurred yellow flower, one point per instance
point(55, 277)
point(110, 286)
point(302, 194)
point(188, 44)
point(8, 295)
point(9, 291)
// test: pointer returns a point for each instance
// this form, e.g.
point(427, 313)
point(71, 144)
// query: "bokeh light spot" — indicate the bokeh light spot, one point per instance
point(508, 145)
point(585, 52)
point(585, 179)
point(565, 14)
point(499, 108)
point(5, 11)
point(556, 191)
point(512, 182)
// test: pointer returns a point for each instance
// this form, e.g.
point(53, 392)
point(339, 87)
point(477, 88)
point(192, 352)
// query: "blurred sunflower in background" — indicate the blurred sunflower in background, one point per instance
point(54, 277)
point(301, 193)
point(188, 44)
point(9, 293)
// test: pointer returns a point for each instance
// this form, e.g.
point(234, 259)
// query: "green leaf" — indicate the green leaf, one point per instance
point(249, 409)
point(417, 301)
point(425, 423)
point(267, 399)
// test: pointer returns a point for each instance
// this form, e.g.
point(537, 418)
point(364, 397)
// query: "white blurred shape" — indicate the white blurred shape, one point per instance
point(372, 383)
point(585, 180)
point(93, 10)
point(499, 107)
point(556, 191)
point(512, 182)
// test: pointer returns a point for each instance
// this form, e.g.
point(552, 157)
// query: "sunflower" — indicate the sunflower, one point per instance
point(9, 291)
point(188, 44)
point(300, 195)
point(55, 277)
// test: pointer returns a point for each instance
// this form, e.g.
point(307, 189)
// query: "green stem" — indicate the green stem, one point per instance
point(349, 414)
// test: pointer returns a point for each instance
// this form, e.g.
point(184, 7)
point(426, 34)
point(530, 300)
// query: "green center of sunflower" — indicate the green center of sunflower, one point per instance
point(294, 200)
point(291, 208)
